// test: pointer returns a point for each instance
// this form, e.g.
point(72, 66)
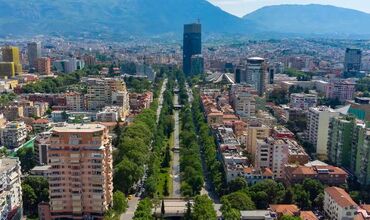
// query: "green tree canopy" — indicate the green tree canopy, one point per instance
point(203, 208)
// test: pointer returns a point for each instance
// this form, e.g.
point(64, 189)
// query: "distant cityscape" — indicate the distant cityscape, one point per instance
point(201, 129)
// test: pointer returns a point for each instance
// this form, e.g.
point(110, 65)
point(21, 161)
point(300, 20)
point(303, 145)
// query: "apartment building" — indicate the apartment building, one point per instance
point(80, 177)
point(109, 114)
point(107, 91)
point(75, 101)
point(14, 134)
point(341, 89)
point(42, 143)
point(256, 131)
point(362, 168)
point(318, 119)
point(10, 189)
point(326, 174)
point(243, 100)
point(41, 125)
point(277, 153)
point(44, 65)
point(13, 112)
point(343, 141)
point(303, 101)
point(338, 204)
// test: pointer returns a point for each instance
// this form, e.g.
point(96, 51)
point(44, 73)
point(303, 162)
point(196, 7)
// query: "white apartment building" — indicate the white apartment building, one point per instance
point(303, 101)
point(10, 189)
point(109, 114)
point(14, 134)
point(244, 104)
point(107, 91)
point(318, 120)
point(338, 204)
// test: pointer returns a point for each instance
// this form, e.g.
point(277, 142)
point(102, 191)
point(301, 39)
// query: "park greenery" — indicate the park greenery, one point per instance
point(137, 85)
point(190, 161)
point(208, 146)
point(5, 98)
point(307, 195)
point(134, 150)
point(301, 76)
point(203, 208)
point(158, 182)
point(60, 83)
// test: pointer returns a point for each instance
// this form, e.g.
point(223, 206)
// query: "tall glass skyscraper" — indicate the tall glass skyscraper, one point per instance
point(192, 44)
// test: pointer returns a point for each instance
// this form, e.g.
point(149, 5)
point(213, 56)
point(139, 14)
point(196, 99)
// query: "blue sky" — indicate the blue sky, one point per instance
point(242, 7)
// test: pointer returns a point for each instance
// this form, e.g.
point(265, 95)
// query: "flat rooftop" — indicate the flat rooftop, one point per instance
point(79, 128)
point(7, 163)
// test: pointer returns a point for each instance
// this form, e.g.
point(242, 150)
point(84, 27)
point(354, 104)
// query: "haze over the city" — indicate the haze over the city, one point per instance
point(243, 7)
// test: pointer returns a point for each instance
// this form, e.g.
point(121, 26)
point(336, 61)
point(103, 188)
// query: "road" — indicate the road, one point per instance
point(132, 204)
point(160, 99)
point(175, 156)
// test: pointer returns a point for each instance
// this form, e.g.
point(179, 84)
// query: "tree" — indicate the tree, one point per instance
point(144, 210)
point(119, 202)
point(26, 155)
point(289, 217)
point(126, 174)
point(237, 184)
point(34, 191)
point(203, 208)
point(288, 198)
point(163, 209)
point(188, 213)
point(261, 199)
point(167, 157)
point(313, 187)
point(29, 199)
point(301, 197)
point(229, 213)
point(275, 191)
point(165, 190)
point(239, 200)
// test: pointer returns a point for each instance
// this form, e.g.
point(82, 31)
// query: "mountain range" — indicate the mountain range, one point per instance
point(124, 18)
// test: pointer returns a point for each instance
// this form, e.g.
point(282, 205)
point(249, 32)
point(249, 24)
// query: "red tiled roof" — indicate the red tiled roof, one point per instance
point(308, 215)
point(341, 197)
point(284, 209)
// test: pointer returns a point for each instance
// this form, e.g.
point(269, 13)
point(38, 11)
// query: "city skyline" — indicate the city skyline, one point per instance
point(243, 7)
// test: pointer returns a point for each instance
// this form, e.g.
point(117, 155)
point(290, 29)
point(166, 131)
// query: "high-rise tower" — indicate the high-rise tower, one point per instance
point(192, 44)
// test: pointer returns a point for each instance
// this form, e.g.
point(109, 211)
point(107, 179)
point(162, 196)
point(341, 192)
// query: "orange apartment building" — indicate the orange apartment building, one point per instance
point(80, 177)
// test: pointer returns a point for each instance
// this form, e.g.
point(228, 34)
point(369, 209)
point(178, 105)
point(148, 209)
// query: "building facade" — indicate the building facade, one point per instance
point(44, 65)
point(352, 60)
point(14, 134)
point(318, 120)
point(338, 204)
point(10, 188)
point(11, 54)
point(34, 53)
point(192, 45)
point(303, 101)
point(80, 177)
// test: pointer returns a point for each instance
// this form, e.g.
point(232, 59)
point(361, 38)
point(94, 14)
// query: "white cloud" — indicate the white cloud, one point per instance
point(242, 7)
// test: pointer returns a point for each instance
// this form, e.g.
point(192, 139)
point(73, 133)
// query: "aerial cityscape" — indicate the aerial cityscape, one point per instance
point(193, 110)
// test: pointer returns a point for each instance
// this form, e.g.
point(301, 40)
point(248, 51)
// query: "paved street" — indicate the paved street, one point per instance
point(129, 214)
point(176, 157)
